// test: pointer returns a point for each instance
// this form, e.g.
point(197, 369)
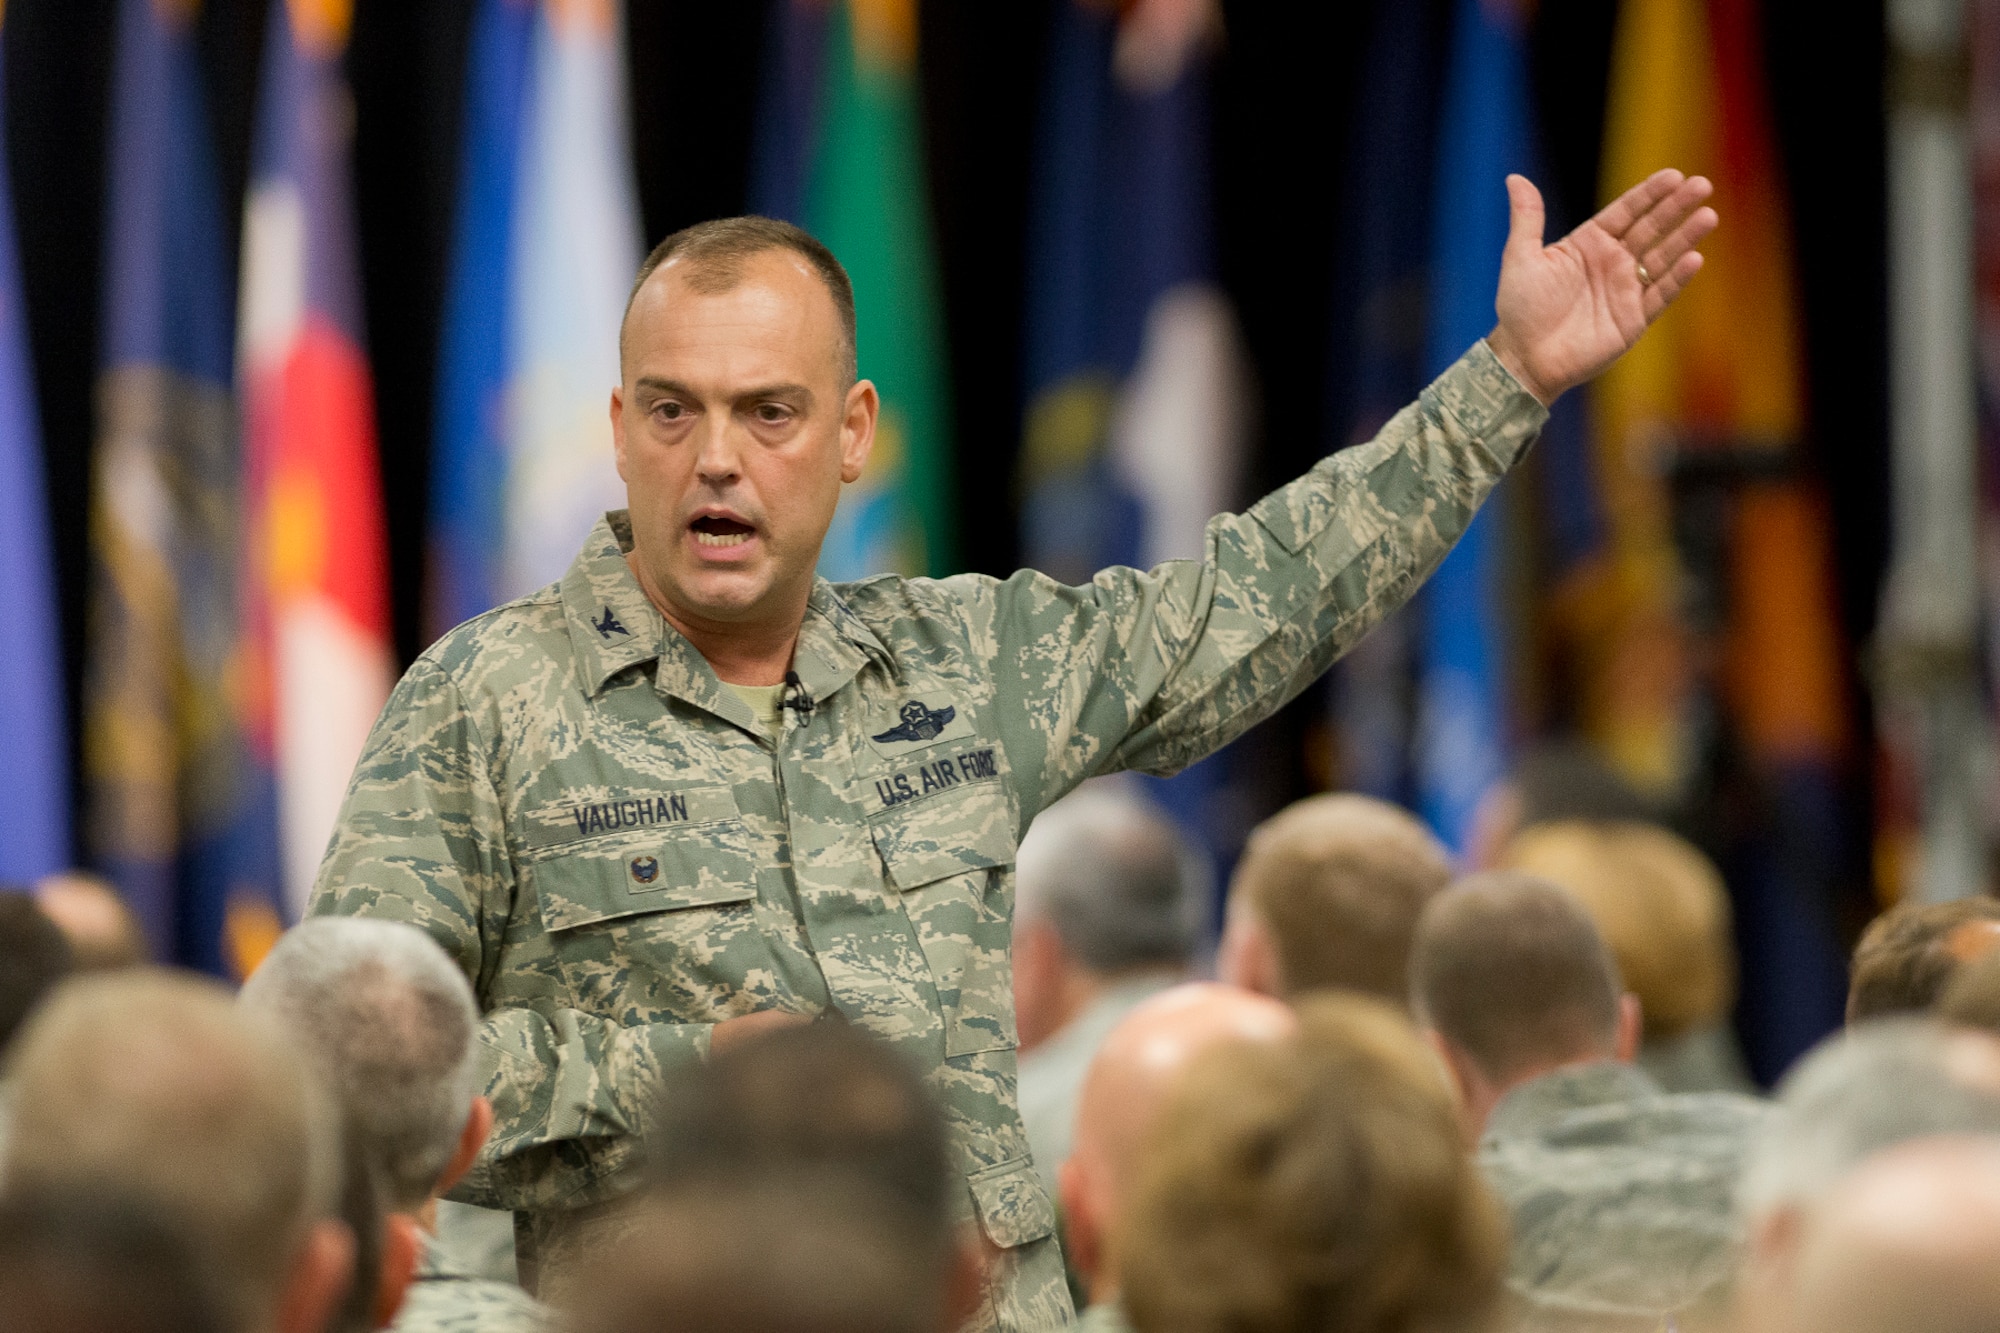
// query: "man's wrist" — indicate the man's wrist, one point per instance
point(1508, 353)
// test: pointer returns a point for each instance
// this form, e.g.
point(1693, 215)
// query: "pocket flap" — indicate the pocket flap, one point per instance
point(1013, 1207)
point(607, 879)
point(948, 836)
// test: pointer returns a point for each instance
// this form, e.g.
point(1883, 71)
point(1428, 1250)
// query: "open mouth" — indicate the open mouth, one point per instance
point(713, 530)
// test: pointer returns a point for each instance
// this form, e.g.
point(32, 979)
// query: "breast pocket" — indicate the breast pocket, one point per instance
point(657, 925)
point(948, 858)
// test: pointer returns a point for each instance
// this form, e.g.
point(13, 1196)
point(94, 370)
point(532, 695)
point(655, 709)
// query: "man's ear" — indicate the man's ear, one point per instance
point(857, 428)
point(402, 1250)
point(478, 1124)
point(1083, 1239)
point(1631, 1027)
point(618, 429)
point(1247, 956)
point(318, 1281)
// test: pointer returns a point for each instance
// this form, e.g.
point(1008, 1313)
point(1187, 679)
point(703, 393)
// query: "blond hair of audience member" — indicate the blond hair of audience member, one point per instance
point(1327, 896)
point(1973, 997)
point(1313, 1184)
point(1130, 1079)
point(1910, 953)
point(103, 933)
point(154, 1086)
point(1878, 1084)
point(1906, 1244)
point(390, 1025)
point(1659, 903)
point(1512, 980)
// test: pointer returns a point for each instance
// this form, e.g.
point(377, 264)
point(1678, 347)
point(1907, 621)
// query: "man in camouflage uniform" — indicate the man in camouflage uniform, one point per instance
point(1623, 1197)
point(692, 791)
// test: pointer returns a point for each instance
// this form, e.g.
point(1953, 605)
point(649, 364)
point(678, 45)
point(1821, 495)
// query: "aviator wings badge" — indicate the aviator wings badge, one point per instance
point(920, 722)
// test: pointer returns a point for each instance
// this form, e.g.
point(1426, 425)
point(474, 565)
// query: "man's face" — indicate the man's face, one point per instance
point(735, 428)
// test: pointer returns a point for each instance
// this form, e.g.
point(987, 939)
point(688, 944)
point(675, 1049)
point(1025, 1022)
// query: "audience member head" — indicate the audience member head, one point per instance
point(1106, 886)
point(1327, 896)
point(73, 1262)
point(1659, 903)
point(1905, 1244)
point(826, 1107)
point(102, 932)
point(1562, 779)
point(1973, 997)
point(154, 1088)
point(389, 1023)
point(1313, 1183)
point(1908, 955)
point(1130, 1078)
point(808, 1253)
point(1512, 980)
point(1876, 1085)
point(34, 956)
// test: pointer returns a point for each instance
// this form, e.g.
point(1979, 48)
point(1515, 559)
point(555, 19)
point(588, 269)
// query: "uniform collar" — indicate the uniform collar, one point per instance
point(1535, 1106)
point(613, 625)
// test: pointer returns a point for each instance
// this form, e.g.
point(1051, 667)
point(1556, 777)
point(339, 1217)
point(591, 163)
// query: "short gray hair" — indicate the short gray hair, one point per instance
point(1115, 878)
point(1878, 1084)
point(389, 1021)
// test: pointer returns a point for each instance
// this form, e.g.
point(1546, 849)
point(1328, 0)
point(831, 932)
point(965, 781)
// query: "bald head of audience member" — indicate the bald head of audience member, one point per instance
point(1905, 1244)
point(1879, 1084)
point(1106, 889)
point(1511, 980)
point(102, 932)
point(1130, 1079)
point(1327, 896)
point(1910, 953)
point(1314, 1182)
point(1659, 904)
point(34, 956)
point(155, 1088)
point(389, 1024)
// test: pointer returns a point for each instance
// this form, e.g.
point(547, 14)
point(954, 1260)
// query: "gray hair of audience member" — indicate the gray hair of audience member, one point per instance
point(154, 1087)
point(81, 1262)
point(1512, 971)
point(390, 1022)
point(1880, 1083)
point(1116, 879)
point(816, 1251)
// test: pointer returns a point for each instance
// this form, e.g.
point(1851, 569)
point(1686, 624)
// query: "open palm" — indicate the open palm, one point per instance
point(1570, 309)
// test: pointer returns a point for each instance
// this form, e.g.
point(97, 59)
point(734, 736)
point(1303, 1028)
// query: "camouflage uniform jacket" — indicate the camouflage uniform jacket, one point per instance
point(604, 837)
point(447, 1298)
point(1622, 1196)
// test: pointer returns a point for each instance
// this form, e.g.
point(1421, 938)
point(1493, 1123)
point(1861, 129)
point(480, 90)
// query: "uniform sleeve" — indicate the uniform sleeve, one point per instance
point(422, 839)
point(1153, 670)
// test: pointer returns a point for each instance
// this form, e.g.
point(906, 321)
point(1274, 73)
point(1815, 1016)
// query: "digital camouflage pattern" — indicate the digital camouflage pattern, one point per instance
point(1622, 1197)
point(620, 856)
point(447, 1298)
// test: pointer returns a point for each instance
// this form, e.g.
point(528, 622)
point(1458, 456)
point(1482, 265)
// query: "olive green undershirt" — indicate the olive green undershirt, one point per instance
point(766, 701)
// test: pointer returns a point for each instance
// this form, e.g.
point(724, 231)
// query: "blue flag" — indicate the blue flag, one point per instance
point(1483, 134)
point(34, 821)
point(1135, 417)
point(1380, 355)
point(174, 815)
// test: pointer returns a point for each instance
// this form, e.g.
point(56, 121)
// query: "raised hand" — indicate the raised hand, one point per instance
point(1570, 309)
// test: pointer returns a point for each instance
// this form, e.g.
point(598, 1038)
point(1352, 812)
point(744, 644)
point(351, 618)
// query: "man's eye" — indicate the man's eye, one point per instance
point(771, 414)
point(669, 411)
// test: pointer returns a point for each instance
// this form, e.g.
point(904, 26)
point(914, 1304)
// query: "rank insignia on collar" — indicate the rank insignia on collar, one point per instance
point(920, 722)
point(609, 625)
point(645, 869)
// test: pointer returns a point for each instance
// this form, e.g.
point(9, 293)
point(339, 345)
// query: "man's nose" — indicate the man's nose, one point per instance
point(719, 458)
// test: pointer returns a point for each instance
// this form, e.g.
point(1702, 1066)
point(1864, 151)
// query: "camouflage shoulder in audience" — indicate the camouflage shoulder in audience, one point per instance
point(471, 1305)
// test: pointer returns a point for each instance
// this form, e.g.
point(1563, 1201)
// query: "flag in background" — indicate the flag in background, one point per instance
point(1385, 239)
point(316, 582)
point(1135, 421)
point(174, 814)
point(840, 153)
point(1718, 383)
point(34, 822)
point(548, 238)
point(1484, 132)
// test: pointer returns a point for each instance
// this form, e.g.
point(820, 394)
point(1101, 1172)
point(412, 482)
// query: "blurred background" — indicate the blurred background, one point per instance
point(307, 325)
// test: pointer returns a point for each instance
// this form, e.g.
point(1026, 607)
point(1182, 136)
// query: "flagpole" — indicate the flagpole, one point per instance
point(1926, 657)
